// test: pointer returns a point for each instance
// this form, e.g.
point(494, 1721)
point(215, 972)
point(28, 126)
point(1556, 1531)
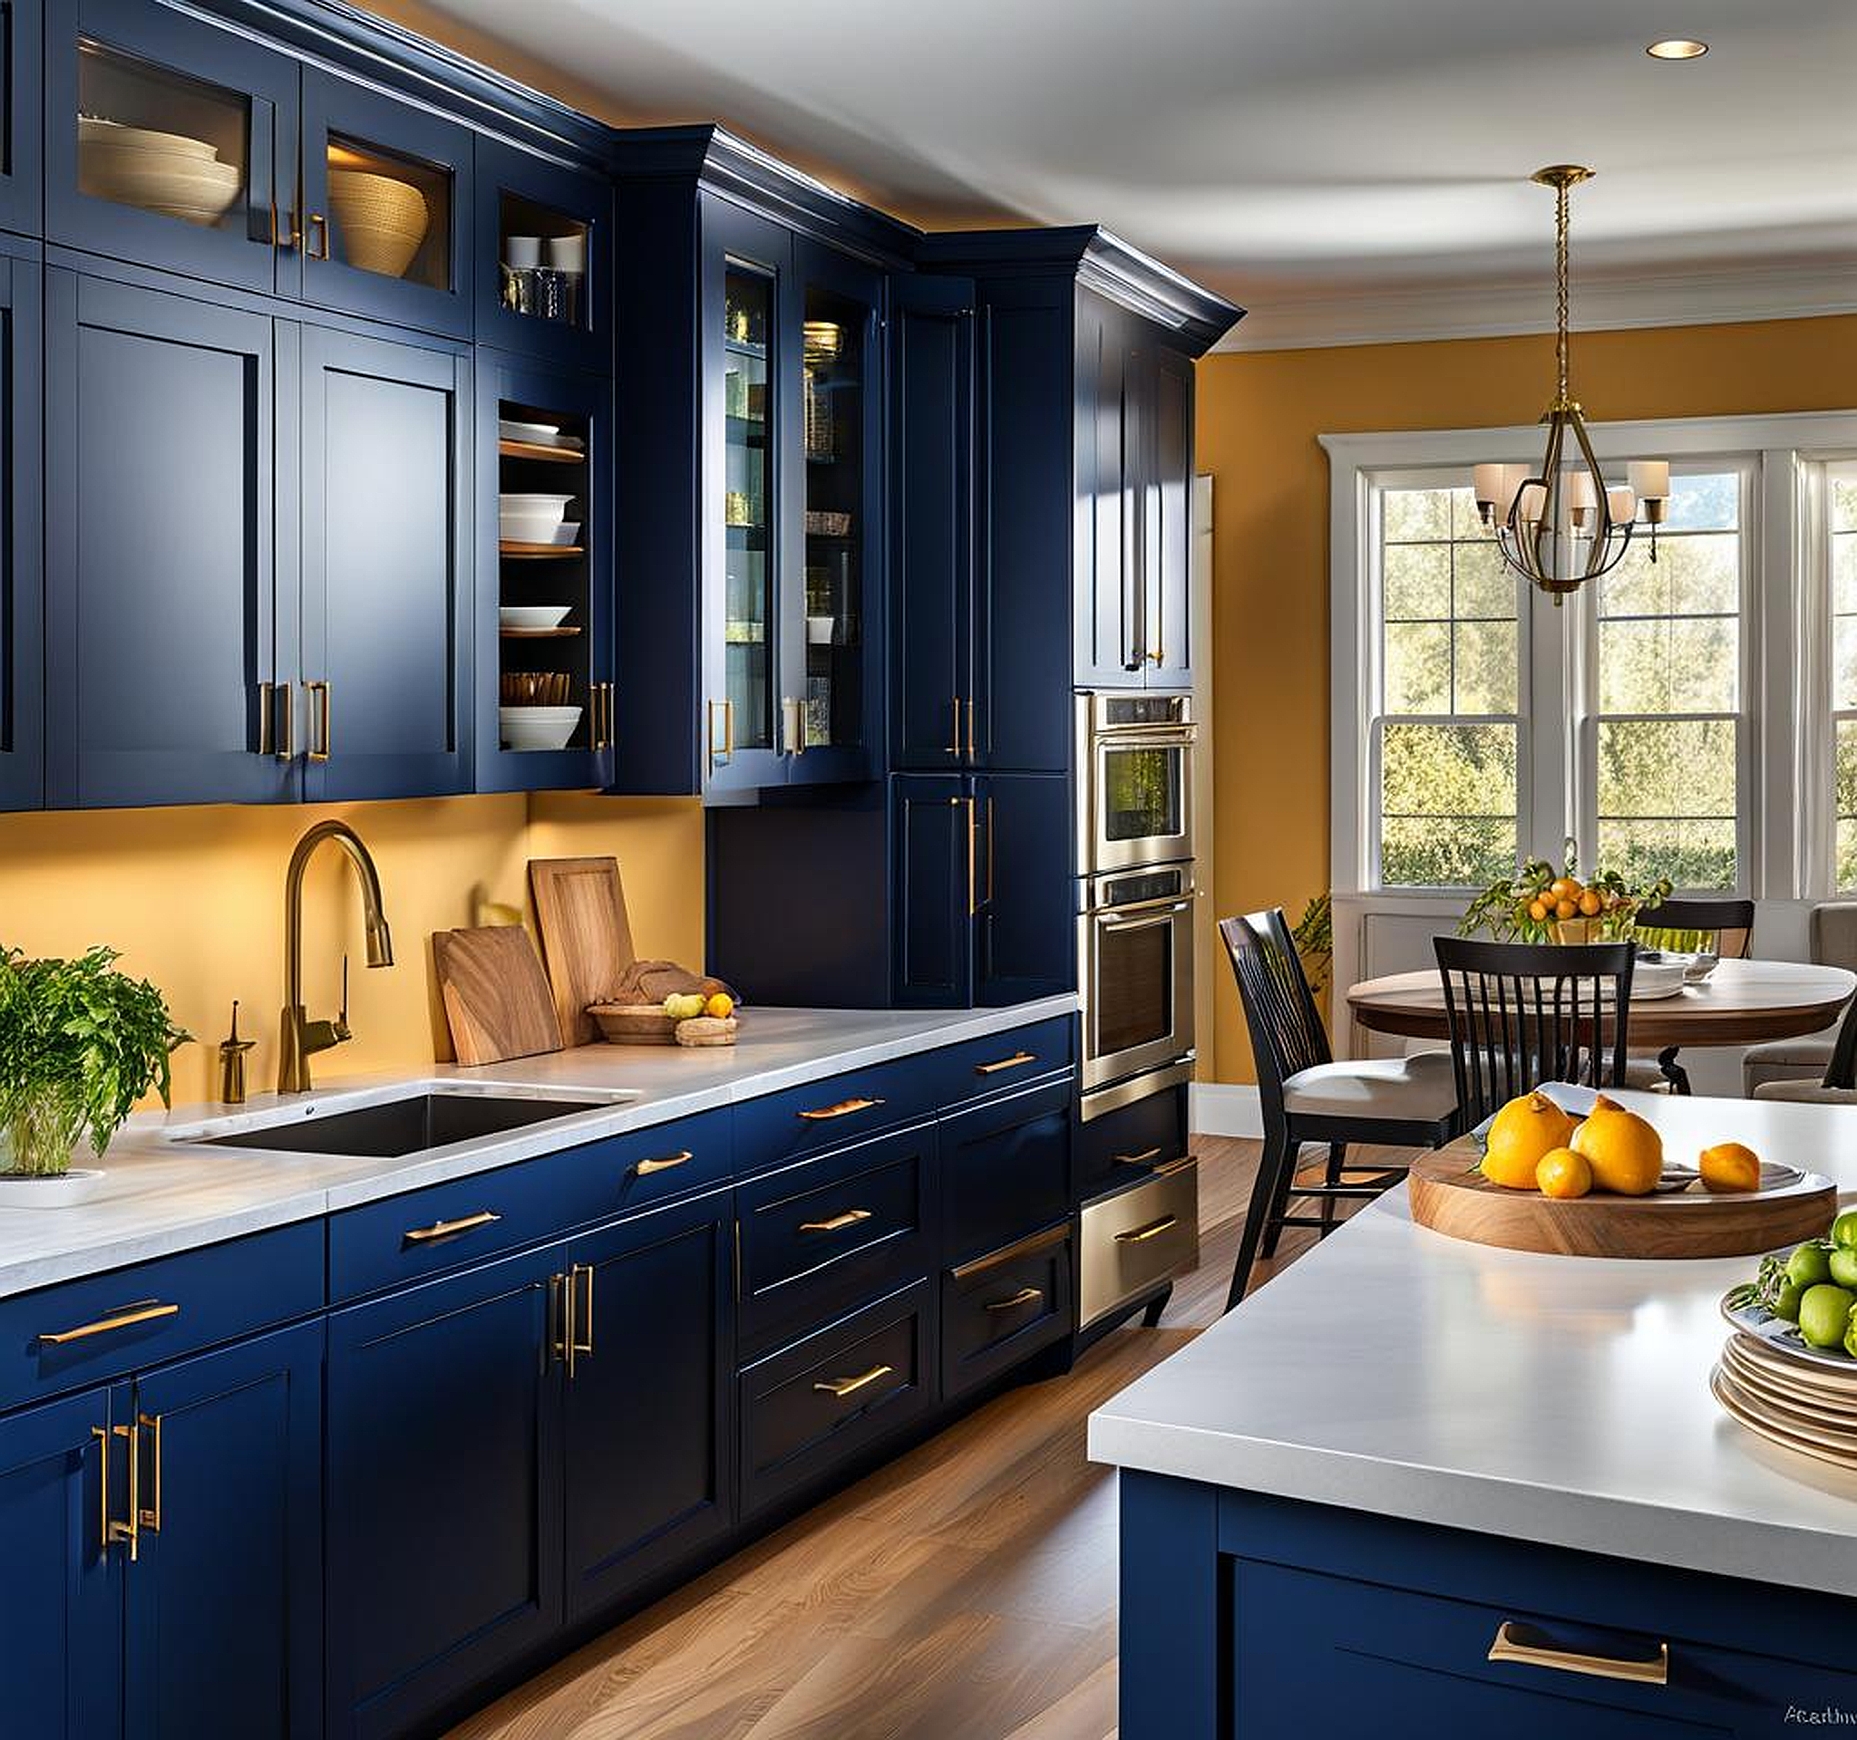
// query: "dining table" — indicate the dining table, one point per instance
point(1742, 1002)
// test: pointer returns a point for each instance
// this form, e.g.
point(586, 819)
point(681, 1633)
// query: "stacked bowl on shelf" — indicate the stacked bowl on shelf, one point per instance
point(169, 173)
point(527, 517)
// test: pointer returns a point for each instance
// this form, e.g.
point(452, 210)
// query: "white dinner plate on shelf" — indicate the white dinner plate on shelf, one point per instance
point(532, 616)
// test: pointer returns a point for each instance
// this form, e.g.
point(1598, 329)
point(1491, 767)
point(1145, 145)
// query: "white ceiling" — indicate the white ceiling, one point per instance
point(1295, 154)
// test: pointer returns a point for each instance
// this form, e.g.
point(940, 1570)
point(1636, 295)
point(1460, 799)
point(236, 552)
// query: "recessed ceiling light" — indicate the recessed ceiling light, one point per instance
point(1677, 48)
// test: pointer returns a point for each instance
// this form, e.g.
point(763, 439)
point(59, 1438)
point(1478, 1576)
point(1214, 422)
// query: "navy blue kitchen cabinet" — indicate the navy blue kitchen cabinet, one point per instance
point(443, 1484)
point(1005, 1167)
point(120, 64)
point(21, 93)
point(649, 1427)
point(61, 1647)
point(170, 644)
point(578, 576)
point(566, 321)
point(386, 568)
point(387, 208)
point(1168, 605)
point(22, 582)
point(225, 1585)
point(933, 866)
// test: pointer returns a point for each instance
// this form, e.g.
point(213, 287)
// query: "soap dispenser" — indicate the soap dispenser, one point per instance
point(232, 1051)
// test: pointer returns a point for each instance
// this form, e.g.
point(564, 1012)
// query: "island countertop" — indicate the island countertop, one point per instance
point(164, 1193)
point(1563, 1400)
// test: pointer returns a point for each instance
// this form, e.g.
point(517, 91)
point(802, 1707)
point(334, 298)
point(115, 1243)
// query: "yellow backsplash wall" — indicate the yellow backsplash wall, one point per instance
point(194, 900)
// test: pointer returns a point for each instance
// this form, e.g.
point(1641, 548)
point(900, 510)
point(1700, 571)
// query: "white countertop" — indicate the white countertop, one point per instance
point(1554, 1399)
point(162, 1195)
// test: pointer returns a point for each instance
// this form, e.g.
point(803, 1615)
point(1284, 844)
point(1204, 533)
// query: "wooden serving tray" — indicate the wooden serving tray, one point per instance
point(1451, 1196)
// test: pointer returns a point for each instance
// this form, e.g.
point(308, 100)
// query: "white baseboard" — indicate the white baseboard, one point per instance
point(1217, 1108)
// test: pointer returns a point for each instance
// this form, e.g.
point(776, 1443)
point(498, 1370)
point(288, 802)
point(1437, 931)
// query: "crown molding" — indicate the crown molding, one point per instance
point(1711, 298)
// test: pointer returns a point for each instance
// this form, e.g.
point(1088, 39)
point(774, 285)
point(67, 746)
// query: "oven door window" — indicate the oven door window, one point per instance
point(1134, 991)
point(1142, 795)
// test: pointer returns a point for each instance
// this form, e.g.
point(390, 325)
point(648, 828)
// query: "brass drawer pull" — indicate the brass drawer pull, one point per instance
point(130, 1532)
point(318, 228)
point(580, 1319)
point(838, 1222)
point(150, 1517)
point(1012, 1062)
point(320, 734)
point(1141, 1159)
point(954, 748)
point(1153, 1230)
point(145, 1312)
point(843, 1109)
point(1650, 1671)
point(842, 1387)
point(1024, 1296)
point(663, 1163)
point(444, 1229)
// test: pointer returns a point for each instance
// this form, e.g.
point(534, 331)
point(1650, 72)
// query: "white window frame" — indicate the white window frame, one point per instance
point(1787, 828)
point(1818, 766)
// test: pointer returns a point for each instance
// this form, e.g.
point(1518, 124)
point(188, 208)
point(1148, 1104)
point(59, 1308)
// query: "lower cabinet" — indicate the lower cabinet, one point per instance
point(999, 1309)
point(1005, 1167)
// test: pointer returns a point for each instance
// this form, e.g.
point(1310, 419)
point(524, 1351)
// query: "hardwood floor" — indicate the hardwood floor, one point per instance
point(966, 1591)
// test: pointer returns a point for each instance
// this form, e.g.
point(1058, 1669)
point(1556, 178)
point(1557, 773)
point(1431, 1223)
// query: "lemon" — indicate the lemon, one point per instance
point(1563, 1174)
point(1730, 1166)
point(721, 1005)
point(1519, 1135)
point(1625, 1153)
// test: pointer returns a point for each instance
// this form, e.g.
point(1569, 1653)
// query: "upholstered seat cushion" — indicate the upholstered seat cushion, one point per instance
point(1811, 1093)
point(1784, 1060)
point(1415, 1089)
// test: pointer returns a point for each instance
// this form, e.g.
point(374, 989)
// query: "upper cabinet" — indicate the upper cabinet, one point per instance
point(22, 590)
point(750, 646)
point(21, 94)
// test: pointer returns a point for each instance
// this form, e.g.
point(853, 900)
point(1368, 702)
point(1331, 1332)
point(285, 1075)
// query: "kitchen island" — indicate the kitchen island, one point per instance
point(1407, 1447)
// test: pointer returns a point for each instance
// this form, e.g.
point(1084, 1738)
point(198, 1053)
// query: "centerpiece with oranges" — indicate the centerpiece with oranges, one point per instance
point(1535, 1144)
point(1542, 904)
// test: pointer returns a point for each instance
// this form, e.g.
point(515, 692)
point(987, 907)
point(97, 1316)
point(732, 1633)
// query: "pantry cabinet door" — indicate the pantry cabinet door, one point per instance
point(22, 574)
point(20, 96)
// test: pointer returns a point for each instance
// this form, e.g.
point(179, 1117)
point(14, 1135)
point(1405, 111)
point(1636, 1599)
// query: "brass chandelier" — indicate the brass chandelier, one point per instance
point(1563, 524)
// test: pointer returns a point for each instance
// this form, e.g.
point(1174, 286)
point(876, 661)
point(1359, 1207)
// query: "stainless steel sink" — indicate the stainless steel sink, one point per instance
point(430, 1116)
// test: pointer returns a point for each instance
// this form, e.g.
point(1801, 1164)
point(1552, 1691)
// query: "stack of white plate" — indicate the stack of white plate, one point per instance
point(529, 518)
point(538, 435)
point(1800, 1397)
point(537, 727)
point(1653, 979)
point(167, 173)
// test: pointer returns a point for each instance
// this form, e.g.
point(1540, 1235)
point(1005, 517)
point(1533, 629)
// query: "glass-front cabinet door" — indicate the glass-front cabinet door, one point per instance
point(169, 141)
point(386, 208)
point(21, 95)
point(827, 668)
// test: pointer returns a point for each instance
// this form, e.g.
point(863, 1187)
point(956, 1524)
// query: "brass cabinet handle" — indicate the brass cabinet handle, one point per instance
point(662, 1163)
point(728, 731)
point(989, 851)
point(602, 710)
point(281, 238)
point(849, 1386)
point(1153, 1230)
point(561, 1320)
point(1012, 1062)
point(838, 1222)
point(580, 1315)
point(973, 892)
point(150, 1517)
point(131, 1531)
point(144, 1312)
point(1024, 1296)
point(954, 747)
point(1650, 1671)
point(793, 725)
point(970, 727)
point(1140, 1159)
point(104, 1537)
point(319, 736)
point(444, 1229)
point(276, 721)
point(318, 225)
point(843, 1109)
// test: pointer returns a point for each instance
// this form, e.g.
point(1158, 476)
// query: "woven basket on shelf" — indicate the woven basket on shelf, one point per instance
point(383, 220)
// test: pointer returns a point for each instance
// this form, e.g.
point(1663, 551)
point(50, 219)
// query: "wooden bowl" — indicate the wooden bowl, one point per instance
point(633, 1023)
point(383, 220)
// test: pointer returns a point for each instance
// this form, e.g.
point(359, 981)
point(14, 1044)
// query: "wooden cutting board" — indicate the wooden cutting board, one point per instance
point(1450, 1196)
point(580, 911)
point(496, 1000)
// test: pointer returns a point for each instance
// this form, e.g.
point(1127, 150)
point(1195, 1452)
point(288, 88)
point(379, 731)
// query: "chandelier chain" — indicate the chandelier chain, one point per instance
point(1561, 301)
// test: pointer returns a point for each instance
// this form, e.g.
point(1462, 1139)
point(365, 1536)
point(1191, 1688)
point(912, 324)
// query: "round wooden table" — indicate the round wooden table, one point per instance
point(1740, 1003)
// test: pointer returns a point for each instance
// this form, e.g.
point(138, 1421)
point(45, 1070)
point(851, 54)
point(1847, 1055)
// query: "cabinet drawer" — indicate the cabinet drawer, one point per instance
point(809, 1407)
point(1001, 1060)
point(1005, 1168)
point(1132, 1141)
point(1342, 1655)
point(646, 1167)
point(839, 1108)
point(822, 1236)
point(83, 1332)
point(1000, 1308)
point(1133, 1240)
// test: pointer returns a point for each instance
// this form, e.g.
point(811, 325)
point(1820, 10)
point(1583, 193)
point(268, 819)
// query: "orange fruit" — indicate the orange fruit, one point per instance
point(1625, 1153)
point(1591, 903)
point(720, 1005)
point(1730, 1166)
point(1566, 908)
point(1563, 1174)
point(1519, 1134)
point(1538, 911)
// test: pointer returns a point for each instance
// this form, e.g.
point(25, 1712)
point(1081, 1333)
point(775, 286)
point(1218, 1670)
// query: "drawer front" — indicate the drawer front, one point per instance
point(811, 1407)
point(840, 1108)
point(84, 1332)
point(825, 1235)
point(1001, 1308)
point(1330, 1655)
point(1135, 1239)
point(1005, 1168)
point(1131, 1142)
point(1001, 1061)
point(645, 1167)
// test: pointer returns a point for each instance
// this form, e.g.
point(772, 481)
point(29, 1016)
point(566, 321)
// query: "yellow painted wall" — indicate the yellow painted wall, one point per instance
point(1259, 416)
point(194, 900)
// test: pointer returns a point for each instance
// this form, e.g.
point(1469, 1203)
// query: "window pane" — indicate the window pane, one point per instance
point(1846, 793)
point(1692, 854)
point(1418, 581)
point(1418, 667)
point(1844, 571)
point(1483, 587)
point(1484, 679)
point(1706, 502)
point(1693, 576)
point(1671, 768)
point(1844, 661)
point(1678, 665)
point(1448, 852)
point(1447, 801)
point(1412, 515)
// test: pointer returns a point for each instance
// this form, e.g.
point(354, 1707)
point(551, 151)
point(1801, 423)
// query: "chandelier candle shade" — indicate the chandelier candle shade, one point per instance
point(1563, 523)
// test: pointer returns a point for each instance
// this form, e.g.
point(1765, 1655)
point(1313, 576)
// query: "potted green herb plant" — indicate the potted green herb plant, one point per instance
point(80, 1043)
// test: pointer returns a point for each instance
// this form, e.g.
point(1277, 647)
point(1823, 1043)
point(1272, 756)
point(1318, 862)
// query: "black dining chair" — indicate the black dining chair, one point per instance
point(1402, 1102)
point(1522, 1014)
point(1676, 925)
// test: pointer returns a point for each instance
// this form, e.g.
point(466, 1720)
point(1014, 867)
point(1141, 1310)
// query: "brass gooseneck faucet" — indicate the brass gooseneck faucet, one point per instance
point(299, 1038)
